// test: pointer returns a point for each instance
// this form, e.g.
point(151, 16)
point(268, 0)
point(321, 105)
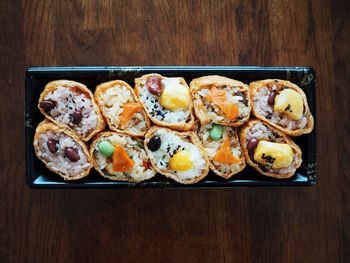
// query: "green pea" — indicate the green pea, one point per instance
point(215, 132)
point(106, 148)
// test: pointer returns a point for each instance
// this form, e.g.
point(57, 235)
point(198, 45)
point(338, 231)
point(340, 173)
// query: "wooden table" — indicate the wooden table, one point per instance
point(305, 224)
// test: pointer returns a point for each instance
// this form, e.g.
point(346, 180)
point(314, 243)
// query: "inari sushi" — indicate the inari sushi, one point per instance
point(220, 100)
point(62, 151)
point(71, 106)
point(166, 101)
point(177, 155)
point(120, 157)
point(283, 105)
point(268, 150)
point(122, 112)
point(222, 146)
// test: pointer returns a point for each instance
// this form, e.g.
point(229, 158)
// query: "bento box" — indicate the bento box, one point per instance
point(38, 176)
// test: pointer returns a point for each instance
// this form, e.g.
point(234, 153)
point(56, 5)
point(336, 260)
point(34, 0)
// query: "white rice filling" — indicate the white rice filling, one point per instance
point(171, 143)
point(215, 113)
point(113, 100)
point(135, 151)
point(262, 132)
point(154, 108)
point(68, 102)
point(57, 161)
point(211, 147)
point(262, 107)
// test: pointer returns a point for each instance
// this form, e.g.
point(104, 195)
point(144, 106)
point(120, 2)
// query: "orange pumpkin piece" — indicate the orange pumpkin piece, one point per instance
point(218, 98)
point(224, 155)
point(121, 161)
point(129, 109)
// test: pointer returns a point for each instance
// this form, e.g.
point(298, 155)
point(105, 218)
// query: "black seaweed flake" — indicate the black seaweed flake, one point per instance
point(263, 168)
point(275, 134)
point(83, 100)
point(276, 80)
point(268, 158)
point(244, 99)
point(269, 116)
point(288, 108)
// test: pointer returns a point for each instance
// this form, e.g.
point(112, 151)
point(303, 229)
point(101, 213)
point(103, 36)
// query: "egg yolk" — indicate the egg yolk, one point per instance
point(181, 161)
point(174, 97)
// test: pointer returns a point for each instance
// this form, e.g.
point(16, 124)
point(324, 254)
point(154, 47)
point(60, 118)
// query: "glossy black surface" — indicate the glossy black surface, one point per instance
point(36, 79)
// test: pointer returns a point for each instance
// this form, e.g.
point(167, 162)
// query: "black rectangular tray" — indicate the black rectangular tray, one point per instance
point(36, 79)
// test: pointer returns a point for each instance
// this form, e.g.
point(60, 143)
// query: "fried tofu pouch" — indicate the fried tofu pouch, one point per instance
point(220, 100)
point(120, 109)
point(167, 101)
point(177, 155)
point(71, 105)
point(222, 146)
point(268, 150)
point(120, 157)
point(283, 105)
point(61, 151)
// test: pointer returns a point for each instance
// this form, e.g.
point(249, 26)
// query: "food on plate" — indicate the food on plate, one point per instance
point(222, 146)
point(166, 101)
point(121, 110)
point(220, 100)
point(62, 151)
point(71, 106)
point(283, 105)
point(177, 155)
point(268, 150)
point(120, 157)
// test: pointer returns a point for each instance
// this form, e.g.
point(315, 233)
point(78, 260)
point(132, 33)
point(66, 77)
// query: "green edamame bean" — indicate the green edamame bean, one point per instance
point(106, 148)
point(216, 132)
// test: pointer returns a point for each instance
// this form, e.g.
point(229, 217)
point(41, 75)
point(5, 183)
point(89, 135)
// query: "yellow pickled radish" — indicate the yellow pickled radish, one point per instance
point(174, 97)
point(181, 161)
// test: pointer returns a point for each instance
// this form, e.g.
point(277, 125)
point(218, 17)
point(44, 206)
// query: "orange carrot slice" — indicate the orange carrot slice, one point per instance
point(218, 98)
point(129, 109)
point(230, 110)
point(224, 154)
point(145, 164)
point(216, 95)
point(121, 161)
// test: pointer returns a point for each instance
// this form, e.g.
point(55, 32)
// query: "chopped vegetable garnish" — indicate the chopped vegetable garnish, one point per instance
point(224, 155)
point(218, 98)
point(129, 109)
point(121, 161)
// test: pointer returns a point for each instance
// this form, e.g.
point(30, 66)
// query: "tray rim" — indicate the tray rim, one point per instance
point(311, 180)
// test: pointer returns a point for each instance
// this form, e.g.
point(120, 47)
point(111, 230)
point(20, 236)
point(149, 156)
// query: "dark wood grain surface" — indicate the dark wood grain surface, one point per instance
point(310, 224)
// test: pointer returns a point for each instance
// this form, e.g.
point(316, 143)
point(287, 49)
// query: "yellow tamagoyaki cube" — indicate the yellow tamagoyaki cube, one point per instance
point(274, 155)
point(175, 96)
point(181, 161)
point(290, 102)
